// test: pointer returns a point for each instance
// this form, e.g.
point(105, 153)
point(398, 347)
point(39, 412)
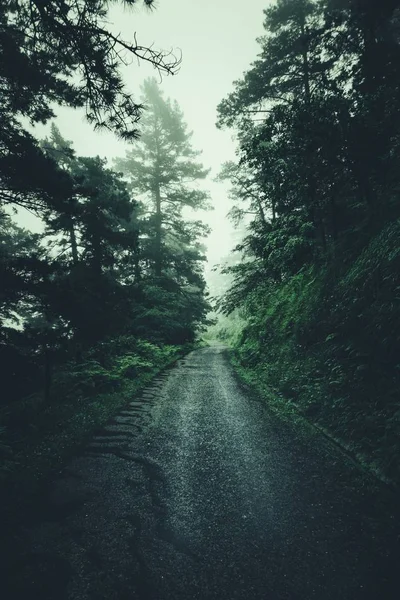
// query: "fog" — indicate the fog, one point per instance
point(217, 41)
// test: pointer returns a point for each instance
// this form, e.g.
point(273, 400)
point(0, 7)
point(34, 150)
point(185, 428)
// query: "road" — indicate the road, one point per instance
point(196, 491)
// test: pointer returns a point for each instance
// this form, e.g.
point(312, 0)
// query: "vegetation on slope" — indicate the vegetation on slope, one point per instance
point(318, 286)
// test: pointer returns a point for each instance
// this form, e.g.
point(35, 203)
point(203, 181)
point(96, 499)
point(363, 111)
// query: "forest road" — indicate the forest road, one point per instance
point(196, 491)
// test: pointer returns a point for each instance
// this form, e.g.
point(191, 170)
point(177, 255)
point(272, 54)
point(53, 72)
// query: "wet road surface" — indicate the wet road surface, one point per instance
point(195, 491)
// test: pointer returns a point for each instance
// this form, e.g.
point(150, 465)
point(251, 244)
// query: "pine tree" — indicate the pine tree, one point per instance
point(162, 170)
point(286, 106)
point(60, 52)
point(96, 239)
point(289, 69)
point(44, 44)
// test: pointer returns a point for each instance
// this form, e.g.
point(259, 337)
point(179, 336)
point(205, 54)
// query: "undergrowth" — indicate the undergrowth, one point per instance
point(36, 439)
point(328, 341)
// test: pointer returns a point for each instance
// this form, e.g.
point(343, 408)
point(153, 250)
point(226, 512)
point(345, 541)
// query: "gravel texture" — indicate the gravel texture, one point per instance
point(196, 491)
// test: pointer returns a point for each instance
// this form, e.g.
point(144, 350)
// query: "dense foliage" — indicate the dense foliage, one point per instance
point(162, 174)
point(111, 290)
point(318, 125)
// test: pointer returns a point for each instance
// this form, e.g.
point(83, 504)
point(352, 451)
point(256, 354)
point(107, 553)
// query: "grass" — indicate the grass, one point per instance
point(288, 411)
point(326, 341)
point(56, 433)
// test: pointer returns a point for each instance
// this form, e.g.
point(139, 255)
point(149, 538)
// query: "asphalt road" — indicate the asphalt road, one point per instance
point(196, 491)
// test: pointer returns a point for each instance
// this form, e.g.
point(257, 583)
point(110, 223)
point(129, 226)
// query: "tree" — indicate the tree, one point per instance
point(60, 52)
point(29, 328)
point(96, 240)
point(290, 68)
point(162, 172)
point(300, 102)
point(162, 169)
point(46, 44)
point(318, 130)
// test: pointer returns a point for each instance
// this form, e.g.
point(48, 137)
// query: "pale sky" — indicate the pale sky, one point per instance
point(218, 42)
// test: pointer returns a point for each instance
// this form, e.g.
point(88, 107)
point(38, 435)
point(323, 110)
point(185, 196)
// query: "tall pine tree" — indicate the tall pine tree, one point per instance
point(163, 173)
point(162, 169)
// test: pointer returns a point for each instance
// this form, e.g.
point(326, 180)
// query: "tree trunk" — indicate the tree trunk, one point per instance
point(74, 245)
point(306, 66)
point(47, 374)
point(311, 183)
point(261, 213)
point(273, 206)
point(158, 249)
point(97, 260)
point(136, 267)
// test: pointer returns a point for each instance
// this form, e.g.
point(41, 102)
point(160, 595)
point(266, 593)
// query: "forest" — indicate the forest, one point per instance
point(112, 289)
point(314, 299)
point(179, 420)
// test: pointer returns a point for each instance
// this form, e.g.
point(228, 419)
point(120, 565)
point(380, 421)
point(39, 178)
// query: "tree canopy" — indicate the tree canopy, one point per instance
point(112, 288)
point(61, 53)
point(162, 173)
point(316, 182)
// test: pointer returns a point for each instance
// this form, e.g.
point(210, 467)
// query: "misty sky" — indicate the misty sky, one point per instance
point(218, 42)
